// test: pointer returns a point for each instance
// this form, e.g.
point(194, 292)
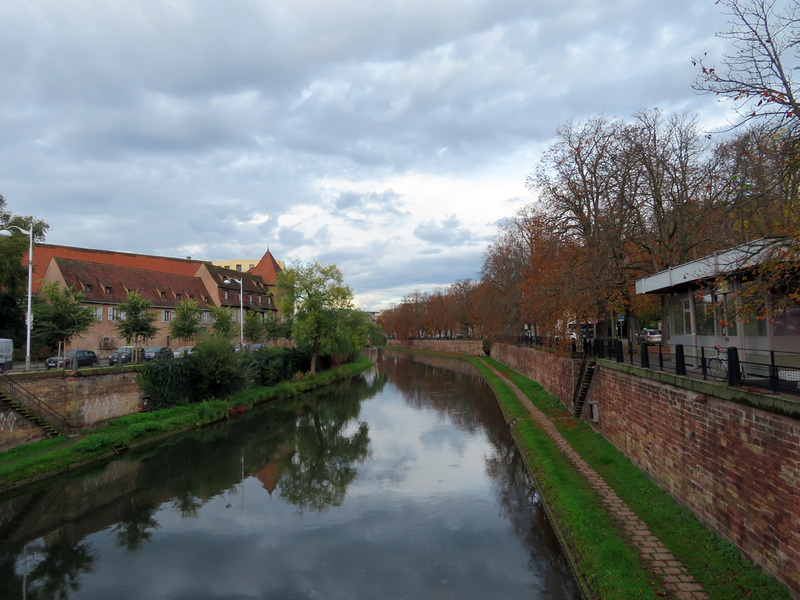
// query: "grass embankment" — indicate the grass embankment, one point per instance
point(606, 562)
point(49, 457)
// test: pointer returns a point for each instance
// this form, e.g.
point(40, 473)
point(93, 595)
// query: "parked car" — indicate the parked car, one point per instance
point(85, 358)
point(125, 354)
point(238, 348)
point(157, 352)
point(649, 336)
point(257, 347)
point(183, 351)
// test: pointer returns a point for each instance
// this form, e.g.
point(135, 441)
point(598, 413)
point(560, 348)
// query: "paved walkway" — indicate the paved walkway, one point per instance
point(676, 577)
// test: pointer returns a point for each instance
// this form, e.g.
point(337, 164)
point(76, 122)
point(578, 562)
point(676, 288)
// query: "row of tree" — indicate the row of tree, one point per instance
point(620, 199)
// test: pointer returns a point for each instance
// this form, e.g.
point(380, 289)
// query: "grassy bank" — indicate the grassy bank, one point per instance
point(46, 458)
point(606, 562)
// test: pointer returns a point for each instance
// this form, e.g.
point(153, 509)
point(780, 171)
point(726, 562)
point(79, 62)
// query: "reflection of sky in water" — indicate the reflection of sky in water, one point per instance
point(421, 520)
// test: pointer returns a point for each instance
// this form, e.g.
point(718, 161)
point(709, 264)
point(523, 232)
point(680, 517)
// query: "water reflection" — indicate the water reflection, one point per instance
point(400, 484)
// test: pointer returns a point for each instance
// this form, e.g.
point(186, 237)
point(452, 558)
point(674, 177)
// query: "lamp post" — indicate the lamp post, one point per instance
point(241, 308)
point(28, 313)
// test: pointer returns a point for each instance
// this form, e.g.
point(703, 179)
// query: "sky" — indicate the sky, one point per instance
point(389, 138)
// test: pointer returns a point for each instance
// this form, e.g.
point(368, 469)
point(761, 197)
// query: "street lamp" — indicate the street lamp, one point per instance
point(28, 314)
point(241, 308)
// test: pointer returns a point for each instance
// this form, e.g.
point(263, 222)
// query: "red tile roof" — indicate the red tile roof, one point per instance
point(251, 285)
point(43, 253)
point(109, 283)
point(267, 268)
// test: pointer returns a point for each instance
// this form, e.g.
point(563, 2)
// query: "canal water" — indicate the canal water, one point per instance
point(404, 483)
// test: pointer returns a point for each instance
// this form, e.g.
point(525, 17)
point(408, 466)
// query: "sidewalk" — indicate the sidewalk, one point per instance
point(676, 577)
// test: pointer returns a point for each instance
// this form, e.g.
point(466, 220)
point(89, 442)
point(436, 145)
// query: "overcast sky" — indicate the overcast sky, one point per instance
point(387, 137)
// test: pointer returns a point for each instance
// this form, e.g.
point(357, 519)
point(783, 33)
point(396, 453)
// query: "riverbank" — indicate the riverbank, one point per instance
point(31, 463)
point(606, 554)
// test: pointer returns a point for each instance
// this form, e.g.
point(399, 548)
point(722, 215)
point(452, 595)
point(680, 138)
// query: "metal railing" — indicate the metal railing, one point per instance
point(778, 372)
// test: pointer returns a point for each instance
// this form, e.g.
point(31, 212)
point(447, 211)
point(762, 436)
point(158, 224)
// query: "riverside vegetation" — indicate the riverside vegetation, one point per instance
point(174, 413)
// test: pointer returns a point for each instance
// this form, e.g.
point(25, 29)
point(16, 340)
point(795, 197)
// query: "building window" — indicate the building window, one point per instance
point(225, 294)
point(115, 314)
point(166, 316)
point(239, 268)
point(109, 291)
point(163, 295)
point(87, 287)
point(206, 318)
point(177, 296)
point(98, 312)
point(250, 297)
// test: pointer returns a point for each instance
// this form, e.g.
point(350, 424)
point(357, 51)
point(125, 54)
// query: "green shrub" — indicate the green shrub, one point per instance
point(167, 382)
point(94, 444)
point(216, 370)
point(138, 430)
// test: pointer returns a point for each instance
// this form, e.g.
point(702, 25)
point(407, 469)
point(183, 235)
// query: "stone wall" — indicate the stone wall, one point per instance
point(85, 399)
point(731, 456)
point(556, 374)
point(473, 347)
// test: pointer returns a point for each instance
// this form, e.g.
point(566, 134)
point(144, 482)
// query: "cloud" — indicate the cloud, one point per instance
point(448, 233)
point(392, 136)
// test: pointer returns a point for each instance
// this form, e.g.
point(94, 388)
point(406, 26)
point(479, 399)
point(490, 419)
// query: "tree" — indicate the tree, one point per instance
point(222, 322)
point(59, 316)
point(313, 295)
point(136, 324)
point(13, 273)
point(757, 73)
point(253, 326)
point(273, 328)
point(186, 324)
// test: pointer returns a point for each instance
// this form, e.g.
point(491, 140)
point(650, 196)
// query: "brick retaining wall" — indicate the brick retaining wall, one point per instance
point(473, 347)
point(86, 399)
point(736, 466)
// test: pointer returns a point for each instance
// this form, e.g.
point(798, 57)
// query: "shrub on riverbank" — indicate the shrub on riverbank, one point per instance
point(214, 370)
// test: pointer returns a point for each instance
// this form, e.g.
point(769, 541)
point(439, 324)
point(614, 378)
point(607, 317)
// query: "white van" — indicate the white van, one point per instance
point(6, 354)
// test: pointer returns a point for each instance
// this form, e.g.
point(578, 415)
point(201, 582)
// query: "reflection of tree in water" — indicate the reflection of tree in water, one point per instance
point(520, 502)
point(458, 393)
point(469, 404)
point(187, 503)
point(325, 451)
point(136, 525)
point(57, 568)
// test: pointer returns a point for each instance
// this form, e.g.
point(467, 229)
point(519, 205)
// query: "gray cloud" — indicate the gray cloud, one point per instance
point(160, 127)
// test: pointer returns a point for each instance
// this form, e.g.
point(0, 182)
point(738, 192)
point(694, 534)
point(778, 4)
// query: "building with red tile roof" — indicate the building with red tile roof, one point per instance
point(105, 278)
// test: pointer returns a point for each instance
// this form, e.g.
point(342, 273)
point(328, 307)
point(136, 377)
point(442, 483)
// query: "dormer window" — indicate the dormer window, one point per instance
point(163, 295)
point(177, 296)
point(87, 287)
point(109, 290)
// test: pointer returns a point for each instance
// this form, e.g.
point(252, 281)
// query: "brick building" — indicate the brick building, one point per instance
point(105, 278)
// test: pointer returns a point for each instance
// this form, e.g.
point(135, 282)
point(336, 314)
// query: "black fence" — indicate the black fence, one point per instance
point(777, 372)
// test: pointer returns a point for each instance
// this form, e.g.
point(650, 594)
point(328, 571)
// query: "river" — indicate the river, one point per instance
point(404, 483)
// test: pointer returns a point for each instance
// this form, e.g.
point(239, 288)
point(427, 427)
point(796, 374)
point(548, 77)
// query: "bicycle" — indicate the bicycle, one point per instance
point(717, 366)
